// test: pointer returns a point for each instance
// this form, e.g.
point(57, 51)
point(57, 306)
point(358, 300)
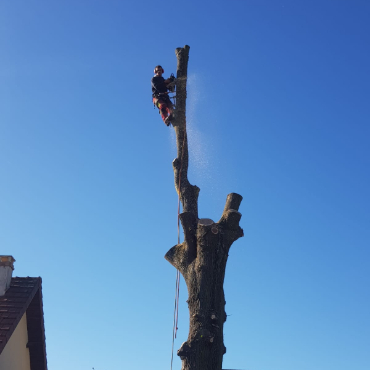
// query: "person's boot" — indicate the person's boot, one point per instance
point(167, 121)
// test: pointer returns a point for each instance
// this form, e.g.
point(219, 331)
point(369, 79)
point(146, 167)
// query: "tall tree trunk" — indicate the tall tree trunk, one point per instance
point(202, 257)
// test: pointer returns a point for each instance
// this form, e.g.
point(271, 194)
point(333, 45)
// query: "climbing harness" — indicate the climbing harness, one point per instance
point(177, 294)
point(171, 94)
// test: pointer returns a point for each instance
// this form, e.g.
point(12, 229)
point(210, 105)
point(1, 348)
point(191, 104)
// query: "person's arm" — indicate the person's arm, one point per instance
point(170, 83)
point(169, 79)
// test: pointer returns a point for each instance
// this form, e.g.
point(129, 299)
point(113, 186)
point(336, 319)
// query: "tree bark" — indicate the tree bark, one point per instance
point(202, 257)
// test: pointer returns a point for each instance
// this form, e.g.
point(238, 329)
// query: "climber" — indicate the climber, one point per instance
point(160, 88)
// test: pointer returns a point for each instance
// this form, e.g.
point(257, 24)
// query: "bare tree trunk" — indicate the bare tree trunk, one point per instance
point(202, 257)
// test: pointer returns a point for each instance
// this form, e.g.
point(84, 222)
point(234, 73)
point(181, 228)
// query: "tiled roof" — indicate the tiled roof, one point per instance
point(24, 295)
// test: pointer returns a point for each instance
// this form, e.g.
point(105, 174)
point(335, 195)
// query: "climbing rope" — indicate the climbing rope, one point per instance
point(177, 294)
point(175, 314)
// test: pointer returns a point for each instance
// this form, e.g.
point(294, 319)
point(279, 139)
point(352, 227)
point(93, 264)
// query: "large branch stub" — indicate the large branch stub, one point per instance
point(233, 201)
point(202, 256)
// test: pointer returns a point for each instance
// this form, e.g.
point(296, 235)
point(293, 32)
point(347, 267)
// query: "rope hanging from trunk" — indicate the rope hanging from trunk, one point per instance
point(177, 294)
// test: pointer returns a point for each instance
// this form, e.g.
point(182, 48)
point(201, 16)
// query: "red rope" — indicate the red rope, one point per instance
point(175, 316)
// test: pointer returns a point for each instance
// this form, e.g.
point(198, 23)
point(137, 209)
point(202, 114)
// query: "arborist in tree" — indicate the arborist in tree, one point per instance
point(160, 89)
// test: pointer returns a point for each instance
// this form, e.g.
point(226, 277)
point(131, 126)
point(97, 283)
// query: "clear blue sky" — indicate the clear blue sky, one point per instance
point(278, 111)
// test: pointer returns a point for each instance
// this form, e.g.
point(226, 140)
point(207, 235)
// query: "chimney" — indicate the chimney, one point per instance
point(6, 271)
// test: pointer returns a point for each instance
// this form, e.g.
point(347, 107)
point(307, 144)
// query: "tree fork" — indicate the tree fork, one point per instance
point(202, 257)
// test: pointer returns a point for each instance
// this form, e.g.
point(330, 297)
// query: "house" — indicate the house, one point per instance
point(22, 333)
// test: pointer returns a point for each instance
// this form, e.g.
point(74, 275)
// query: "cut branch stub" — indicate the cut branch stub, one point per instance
point(177, 256)
point(233, 201)
point(230, 219)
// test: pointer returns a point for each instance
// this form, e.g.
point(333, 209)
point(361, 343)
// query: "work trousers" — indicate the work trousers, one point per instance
point(164, 104)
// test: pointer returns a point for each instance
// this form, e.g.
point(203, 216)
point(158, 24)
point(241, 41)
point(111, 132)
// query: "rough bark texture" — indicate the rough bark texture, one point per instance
point(202, 257)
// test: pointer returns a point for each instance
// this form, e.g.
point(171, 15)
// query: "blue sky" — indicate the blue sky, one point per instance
point(278, 111)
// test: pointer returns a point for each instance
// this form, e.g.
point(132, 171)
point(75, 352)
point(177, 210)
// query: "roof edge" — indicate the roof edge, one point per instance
point(24, 308)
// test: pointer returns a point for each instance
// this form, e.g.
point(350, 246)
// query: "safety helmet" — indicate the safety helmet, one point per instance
point(157, 68)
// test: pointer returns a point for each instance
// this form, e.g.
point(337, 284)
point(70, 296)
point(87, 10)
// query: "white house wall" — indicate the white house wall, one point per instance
point(15, 355)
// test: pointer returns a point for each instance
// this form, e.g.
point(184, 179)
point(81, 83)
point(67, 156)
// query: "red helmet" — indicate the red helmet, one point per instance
point(157, 68)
